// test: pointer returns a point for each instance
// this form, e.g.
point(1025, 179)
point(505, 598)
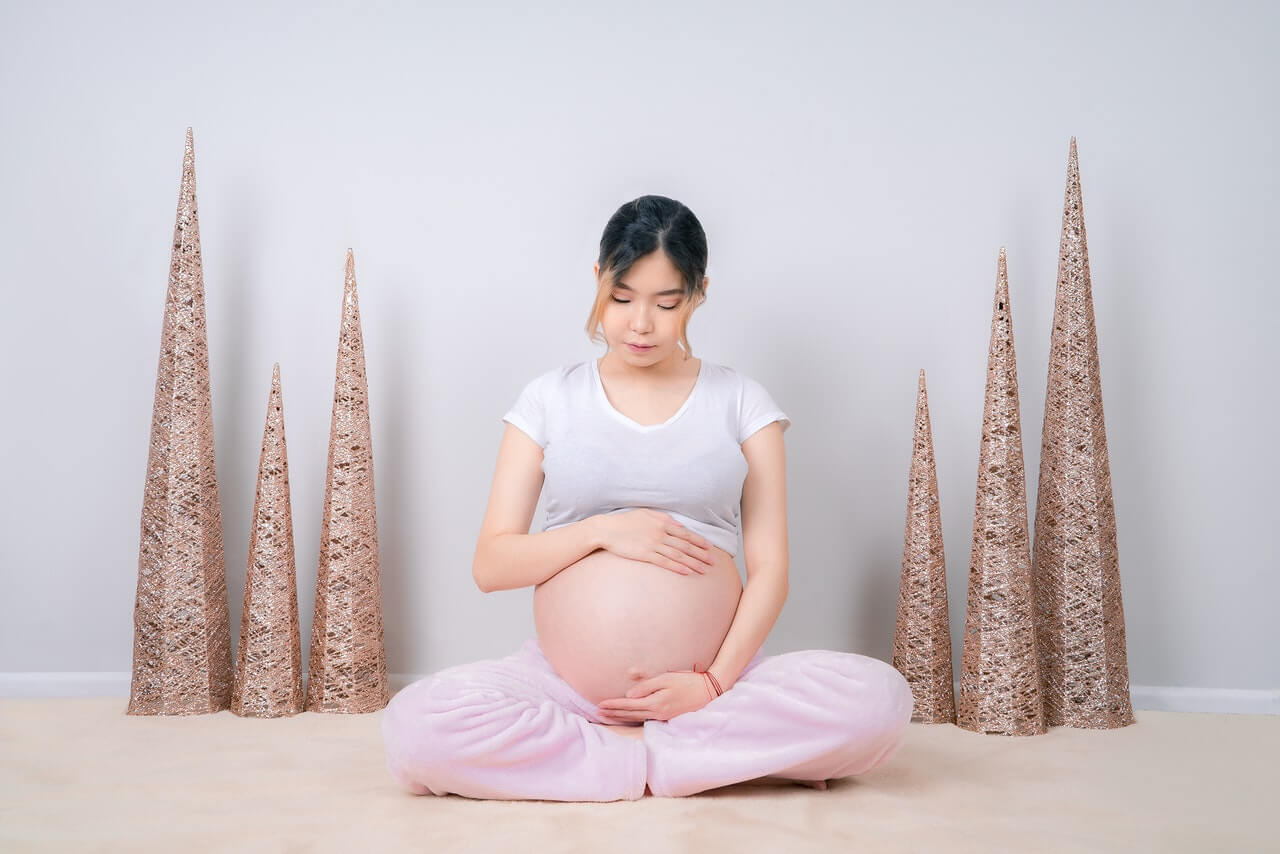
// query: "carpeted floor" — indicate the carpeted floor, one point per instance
point(80, 775)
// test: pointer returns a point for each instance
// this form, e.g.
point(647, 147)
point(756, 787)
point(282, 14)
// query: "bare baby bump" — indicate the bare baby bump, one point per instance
point(606, 621)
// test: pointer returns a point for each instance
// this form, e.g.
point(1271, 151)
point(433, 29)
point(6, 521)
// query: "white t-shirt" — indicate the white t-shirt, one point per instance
point(597, 460)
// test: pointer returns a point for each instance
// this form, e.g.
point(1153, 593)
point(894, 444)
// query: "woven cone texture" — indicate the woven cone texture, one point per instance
point(1075, 567)
point(181, 635)
point(268, 677)
point(999, 678)
point(347, 670)
point(922, 633)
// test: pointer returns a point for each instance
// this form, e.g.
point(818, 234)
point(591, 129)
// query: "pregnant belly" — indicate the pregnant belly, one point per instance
point(604, 622)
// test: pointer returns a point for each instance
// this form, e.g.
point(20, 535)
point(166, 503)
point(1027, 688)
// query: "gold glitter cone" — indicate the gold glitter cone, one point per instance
point(348, 659)
point(922, 630)
point(999, 679)
point(268, 677)
point(181, 636)
point(1075, 568)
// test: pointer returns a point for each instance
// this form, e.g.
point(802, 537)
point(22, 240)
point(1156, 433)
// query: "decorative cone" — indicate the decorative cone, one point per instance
point(268, 677)
point(181, 635)
point(922, 630)
point(1079, 614)
point(348, 660)
point(999, 679)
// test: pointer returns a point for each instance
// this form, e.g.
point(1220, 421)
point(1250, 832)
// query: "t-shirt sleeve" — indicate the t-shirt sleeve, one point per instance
point(528, 413)
point(757, 409)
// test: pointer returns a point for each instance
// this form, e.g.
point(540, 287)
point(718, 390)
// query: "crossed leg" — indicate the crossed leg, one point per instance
point(511, 728)
point(506, 728)
point(808, 716)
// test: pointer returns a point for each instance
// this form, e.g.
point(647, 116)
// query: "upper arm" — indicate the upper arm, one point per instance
point(761, 424)
point(517, 483)
point(518, 476)
point(764, 503)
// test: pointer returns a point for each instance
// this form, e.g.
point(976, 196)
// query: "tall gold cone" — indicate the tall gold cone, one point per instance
point(1079, 613)
point(348, 660)
point(921, 632)
point(999, 679)
point(268, 677)
point(181, 634)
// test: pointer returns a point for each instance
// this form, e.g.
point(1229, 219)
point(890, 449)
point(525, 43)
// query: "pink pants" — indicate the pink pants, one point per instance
point(511, 728)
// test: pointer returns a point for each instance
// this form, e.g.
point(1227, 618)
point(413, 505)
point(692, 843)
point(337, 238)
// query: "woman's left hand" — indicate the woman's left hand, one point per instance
point(661, 697)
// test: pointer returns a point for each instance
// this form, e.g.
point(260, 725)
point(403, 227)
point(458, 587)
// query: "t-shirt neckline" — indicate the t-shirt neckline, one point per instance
point(635, 425)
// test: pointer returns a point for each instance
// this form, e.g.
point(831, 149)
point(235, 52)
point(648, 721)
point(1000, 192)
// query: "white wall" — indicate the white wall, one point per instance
point(856, 170)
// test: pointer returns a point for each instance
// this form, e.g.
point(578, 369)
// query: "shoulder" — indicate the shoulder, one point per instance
point(755, 404)
point(739, 382)
point(717, 372)
point(552, 378)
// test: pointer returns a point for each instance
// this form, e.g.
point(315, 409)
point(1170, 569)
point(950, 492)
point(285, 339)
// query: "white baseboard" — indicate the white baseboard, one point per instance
point(1144, 697)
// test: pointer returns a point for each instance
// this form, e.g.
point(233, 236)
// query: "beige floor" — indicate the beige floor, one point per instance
point(80, 775)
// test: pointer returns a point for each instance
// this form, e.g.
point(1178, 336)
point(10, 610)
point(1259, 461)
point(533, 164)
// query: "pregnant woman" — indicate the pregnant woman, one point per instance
point(646, 675)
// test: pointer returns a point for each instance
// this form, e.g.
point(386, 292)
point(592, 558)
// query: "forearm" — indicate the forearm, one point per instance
point(758, 609)
point(511, 561)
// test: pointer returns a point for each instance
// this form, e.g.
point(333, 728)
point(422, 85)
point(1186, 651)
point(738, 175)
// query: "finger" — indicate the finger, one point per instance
point(702, 546)
point(625, 716)
point(622, 704)
point(699, 554)
point(703, 554)
point(667, 559)
point(688, 541)
point(643, 689)
point(677, 548)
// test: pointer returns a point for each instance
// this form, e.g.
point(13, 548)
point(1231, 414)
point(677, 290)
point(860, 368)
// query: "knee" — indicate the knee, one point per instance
point(430, 722)
point(900, 702)
point(895, 713)
point(889, 696)
point(878, 697)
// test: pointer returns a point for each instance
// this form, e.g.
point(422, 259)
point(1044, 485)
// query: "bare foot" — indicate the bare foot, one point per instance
point(813, 784)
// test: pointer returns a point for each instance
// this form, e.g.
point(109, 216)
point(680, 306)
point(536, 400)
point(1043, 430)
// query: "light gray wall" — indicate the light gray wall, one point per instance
point(856, 169)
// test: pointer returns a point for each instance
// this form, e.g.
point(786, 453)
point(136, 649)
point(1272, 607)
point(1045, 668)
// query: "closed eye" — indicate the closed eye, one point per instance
point(627, 302)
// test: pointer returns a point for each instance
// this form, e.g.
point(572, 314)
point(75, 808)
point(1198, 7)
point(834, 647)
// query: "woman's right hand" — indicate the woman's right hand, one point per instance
point(655, 537)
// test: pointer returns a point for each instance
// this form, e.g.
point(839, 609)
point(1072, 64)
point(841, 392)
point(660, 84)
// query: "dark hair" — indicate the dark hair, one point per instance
point(645, 225)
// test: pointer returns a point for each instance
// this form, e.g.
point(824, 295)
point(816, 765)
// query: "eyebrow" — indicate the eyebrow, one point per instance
point(627, 287)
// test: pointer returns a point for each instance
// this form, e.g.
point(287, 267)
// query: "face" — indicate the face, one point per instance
point(645, 307)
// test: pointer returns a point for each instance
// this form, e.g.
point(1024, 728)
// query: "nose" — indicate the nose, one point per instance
point(641, 319)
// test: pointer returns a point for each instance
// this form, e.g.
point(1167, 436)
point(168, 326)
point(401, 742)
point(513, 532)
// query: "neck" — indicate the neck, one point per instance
point(617, 364)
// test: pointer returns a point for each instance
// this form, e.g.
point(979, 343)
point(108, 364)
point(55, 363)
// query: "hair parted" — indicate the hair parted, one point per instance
point(644, 225)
